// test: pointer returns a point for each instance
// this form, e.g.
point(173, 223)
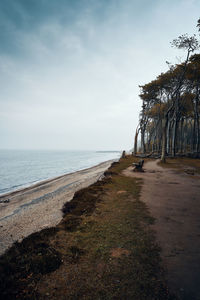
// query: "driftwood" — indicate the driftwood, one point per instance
point(149, 155)
point(138, 166)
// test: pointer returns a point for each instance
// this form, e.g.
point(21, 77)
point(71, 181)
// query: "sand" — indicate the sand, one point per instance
point(174, 200)
point(39, 206)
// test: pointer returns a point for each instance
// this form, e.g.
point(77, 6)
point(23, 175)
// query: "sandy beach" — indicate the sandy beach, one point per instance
point(39, 206)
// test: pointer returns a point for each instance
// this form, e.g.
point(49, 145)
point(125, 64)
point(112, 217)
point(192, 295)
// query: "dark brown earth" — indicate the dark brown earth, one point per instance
point(173, 196)
point(103, 248)
point(39, 206)
point(106, 245)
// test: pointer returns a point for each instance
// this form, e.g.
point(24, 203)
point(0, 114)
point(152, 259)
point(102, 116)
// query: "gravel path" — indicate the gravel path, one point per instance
point(174, 200)
point(37, 207)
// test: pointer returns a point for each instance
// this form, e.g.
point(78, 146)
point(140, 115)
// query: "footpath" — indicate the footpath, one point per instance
point(111, 239)
point(172, 193)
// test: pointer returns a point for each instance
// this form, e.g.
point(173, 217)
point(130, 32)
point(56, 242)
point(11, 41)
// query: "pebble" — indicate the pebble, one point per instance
point(5, 201)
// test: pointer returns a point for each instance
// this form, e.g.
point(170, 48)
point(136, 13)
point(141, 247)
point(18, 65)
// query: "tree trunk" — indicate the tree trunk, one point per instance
point(181, 135)
point(135, 142)
point(196, 113)
point(197, 137)
point(185, 136)
point(164, 130)
point(190, 141)
point(143, 141)
point(174, 138)
point(168, 138)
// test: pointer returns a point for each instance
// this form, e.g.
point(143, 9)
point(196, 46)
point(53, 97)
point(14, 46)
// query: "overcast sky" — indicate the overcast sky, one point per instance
point(70, 69)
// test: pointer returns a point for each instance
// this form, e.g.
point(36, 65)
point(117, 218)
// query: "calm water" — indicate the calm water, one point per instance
point(23, 168)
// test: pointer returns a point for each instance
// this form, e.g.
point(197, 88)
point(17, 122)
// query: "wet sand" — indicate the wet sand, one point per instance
point(39, 206)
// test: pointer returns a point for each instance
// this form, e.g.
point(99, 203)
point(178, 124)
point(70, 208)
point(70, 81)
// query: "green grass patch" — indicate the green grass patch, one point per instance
point(104, 248)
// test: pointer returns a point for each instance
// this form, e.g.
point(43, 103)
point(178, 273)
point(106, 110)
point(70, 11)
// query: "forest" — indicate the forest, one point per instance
point(169, 118)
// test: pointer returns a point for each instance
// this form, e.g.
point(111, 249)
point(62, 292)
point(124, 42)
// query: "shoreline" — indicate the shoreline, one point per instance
point(102, 245)
point(39, 206)
point(28, 186)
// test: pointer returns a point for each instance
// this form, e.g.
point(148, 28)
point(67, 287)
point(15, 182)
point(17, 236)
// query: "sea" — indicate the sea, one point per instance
point(22, 168)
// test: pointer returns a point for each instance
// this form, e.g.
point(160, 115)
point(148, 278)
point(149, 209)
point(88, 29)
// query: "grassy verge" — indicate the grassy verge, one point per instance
point(103, 248)
point(183, 164)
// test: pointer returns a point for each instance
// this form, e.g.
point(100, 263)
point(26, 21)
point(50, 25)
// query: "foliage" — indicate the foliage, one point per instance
point(169, 119)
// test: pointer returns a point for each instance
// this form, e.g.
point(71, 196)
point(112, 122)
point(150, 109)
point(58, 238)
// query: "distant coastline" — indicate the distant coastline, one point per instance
point(21, 169)
point(109, 151)
point(49, 180)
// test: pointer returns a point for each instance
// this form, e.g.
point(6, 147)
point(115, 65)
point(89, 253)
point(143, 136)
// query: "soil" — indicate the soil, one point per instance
point(106, 245)
point(103, 248)
point(39, 206)
point(173, 197)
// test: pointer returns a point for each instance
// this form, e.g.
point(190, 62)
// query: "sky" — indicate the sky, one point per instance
point(70, 70)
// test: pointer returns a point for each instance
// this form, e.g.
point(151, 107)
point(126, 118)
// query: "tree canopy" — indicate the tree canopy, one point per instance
point(169, 119)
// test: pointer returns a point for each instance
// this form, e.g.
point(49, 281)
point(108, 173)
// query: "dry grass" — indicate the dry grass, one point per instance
point(104, 248)
point(182, 164)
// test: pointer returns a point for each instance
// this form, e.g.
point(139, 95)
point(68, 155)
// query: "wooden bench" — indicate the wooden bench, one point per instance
point(138, 166)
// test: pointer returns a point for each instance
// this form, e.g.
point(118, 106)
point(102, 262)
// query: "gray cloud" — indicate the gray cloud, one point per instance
point(70, 70)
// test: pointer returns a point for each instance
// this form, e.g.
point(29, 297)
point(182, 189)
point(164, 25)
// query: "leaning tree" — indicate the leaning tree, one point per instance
point(169, 119)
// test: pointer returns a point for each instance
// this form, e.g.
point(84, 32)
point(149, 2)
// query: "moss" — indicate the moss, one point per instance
point(24, 261)
point(75, 253)
point(84, 200)
point(71, 223)
point(99, 221)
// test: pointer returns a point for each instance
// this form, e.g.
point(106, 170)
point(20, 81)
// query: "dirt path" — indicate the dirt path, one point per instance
point(174, 200)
